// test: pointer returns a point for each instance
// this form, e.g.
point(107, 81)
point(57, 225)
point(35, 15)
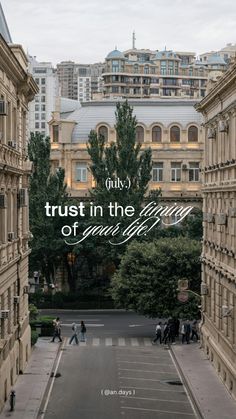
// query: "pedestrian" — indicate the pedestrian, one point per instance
point(166, 333)
point(171, 324)
point(177, 324)
point(158, 334)
point(74, 335)
point(57, 329)
point(183, 332)
point(82, 331)
point(194, 331)
point(187, 331)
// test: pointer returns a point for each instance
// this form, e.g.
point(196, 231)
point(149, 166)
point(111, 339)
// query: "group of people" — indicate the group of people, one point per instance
point(171, 330)
point(76, 331)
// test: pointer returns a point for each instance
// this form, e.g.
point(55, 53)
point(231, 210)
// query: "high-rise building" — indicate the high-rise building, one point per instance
point(41, 108)
point(142, 73)
point(80, 81)
point(17, 88)
point(219, 241)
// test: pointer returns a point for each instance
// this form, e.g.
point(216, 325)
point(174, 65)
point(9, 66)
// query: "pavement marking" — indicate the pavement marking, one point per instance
point(147, 342)
point(52, 383)
point(153, 372)
point(135, 325)
point(87, 324)
point(160, 411)
point(145, 363)
point(96, 341)
point(155, 400)
point(108, 341)
point(142, 379)
point(121, 341)
point(82, 343)
point(134, 342)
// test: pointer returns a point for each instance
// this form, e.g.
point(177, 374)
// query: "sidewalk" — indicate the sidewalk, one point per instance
point(30, 386)
point(211, 397)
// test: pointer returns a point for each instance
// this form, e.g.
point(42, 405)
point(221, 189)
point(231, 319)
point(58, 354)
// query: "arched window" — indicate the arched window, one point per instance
point(175, 134)
point(156, 134)
point(103, 130)
point(193, 134)
point(139, 134)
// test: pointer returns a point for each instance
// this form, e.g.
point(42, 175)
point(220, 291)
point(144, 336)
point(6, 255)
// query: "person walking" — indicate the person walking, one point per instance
point(74, 335)
point(183, 332)
point(82, 331)
point(171, 324)
point(57, 329)
point(166, 333)
point(158, 334)
point(194, 331)
point(187, 331)
point(177, 324)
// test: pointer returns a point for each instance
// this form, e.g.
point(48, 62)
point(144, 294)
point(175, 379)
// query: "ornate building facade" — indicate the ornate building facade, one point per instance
point(171, 128)
point(17, 88)
point(219, 242)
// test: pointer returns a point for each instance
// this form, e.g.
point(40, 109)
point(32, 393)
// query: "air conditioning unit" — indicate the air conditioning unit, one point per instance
point(204, 289)
point(16, 299)
point(11, 236)
point(3, 201)
point(4, 314)
point(232, 211)
point(184, 167)
point(22, 197)
point(12, 144)
point(226, 311)
point(3, 107)
point(26, 289)
point(221, 219)
point(211, 134)
point(223, 126)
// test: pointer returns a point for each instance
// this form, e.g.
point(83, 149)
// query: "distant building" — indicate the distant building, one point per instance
point(40, 109)
point(80, 81)
point(219, 240)
point(17, 88)
point(226, 53)
point(171, 128)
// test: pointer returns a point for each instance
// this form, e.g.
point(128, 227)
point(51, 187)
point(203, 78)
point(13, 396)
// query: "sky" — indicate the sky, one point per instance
point(86, 31)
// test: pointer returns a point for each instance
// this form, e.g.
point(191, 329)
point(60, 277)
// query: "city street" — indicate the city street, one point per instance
point(116, 373)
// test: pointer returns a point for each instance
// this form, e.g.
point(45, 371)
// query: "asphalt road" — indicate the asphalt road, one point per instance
point(116, 373)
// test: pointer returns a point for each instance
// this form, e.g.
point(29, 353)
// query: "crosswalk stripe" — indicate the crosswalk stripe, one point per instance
point(108, 341)
point(121, 341)
point(96, 341)
point(83, 343)
point(134, 342)
point(147, 342)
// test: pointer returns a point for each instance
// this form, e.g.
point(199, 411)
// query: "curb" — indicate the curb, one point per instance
point(188, 386)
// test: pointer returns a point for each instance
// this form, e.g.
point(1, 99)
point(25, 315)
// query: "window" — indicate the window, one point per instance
point(55, 133)
point(139, 134)
point(36, 80)
point(175, 172)
point(43, 81)
point(37, 116)
point(163, 67)
point(43, 89)
point(156, 134)
point(136, 68)
point(193, 172)
point(43, 99)
point(157, 172)
point(36, 125)
point(43, 125)
point(81, 172)
point(115, 66)
point(175, 134)
point(43, 116)
point(193, 134)
point(146, 69)
point(43, 107)
point(103, 130)
point(36, 108)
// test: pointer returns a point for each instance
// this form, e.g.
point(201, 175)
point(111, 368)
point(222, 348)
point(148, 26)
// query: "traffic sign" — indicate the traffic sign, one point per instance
point(182, 296)
point(182, 284)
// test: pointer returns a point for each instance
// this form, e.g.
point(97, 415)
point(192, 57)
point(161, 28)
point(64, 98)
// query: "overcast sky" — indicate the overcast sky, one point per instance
point(85, 31)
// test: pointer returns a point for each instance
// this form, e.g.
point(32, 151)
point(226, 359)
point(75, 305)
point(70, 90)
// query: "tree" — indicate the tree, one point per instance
point(147, 278)
point(47, 243)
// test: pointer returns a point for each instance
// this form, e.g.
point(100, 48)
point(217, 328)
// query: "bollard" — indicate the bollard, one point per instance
point(12, 400)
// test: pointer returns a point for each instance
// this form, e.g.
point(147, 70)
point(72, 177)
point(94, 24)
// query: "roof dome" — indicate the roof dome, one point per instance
point(115, 54)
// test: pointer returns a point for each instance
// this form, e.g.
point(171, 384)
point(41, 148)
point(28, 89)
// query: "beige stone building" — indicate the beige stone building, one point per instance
point(171, 128)
point(17, 88)
point(219, 245)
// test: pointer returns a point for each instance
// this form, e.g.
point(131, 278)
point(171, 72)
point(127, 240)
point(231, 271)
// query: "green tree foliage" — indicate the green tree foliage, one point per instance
point(47, 243)
point(147, 278)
